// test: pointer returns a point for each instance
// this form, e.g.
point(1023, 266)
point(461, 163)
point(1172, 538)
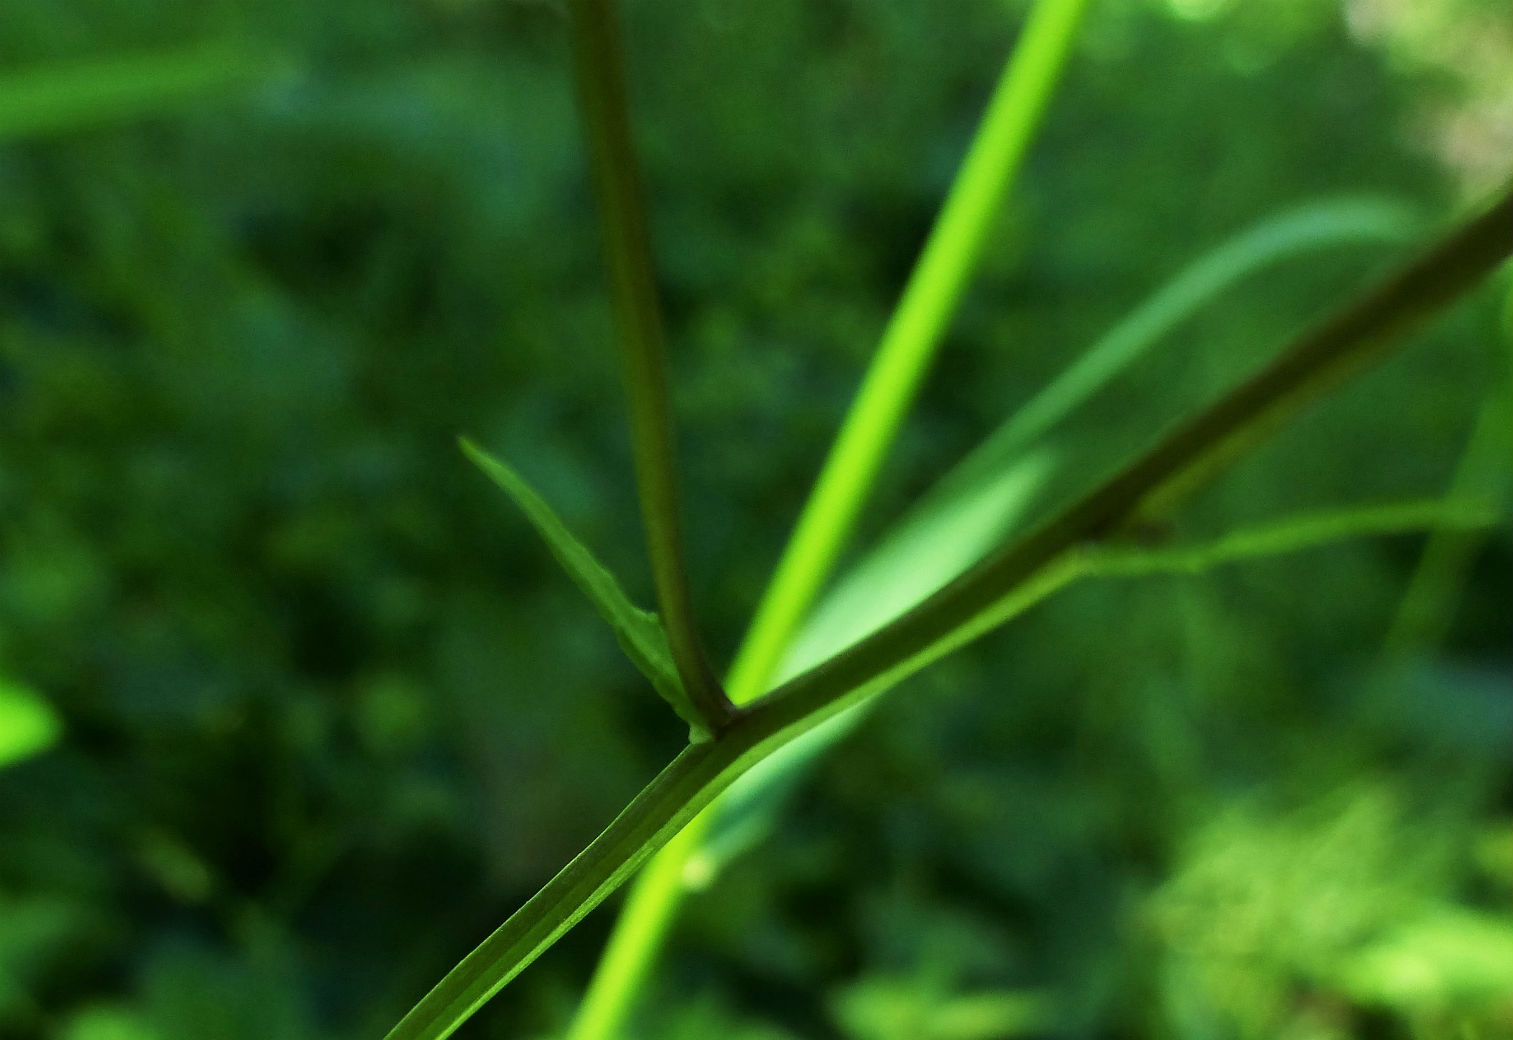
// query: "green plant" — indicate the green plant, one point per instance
point(1099, 534)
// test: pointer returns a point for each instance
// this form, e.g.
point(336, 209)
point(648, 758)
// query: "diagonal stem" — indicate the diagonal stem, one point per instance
point(984, 597)
point(1190, 454)
point(638, 321)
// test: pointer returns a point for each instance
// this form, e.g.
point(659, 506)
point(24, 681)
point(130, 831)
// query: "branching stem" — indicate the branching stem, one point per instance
point(1004, 584)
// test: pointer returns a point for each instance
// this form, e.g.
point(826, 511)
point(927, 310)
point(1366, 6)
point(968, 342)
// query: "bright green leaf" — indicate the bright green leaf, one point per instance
point(639, 632)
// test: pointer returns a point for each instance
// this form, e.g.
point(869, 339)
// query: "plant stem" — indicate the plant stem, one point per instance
point(903, 356)
point(638, 320)
point(913, 334)
point(1004, 584)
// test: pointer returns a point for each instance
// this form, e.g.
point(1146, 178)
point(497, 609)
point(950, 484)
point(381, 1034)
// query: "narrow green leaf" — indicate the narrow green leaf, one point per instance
point(639, 632)
point(57, 99)
point(1324, 224)
point(753, 804)
point(28, 724)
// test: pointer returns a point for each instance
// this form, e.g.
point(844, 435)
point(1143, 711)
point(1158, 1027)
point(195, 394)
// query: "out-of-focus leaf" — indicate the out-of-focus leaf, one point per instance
point(639, 632)
point(906, 1009)
point(102, 1022)
point(1449, 959)
point(34, 929)
point(1316, 225)
point(1494, 854)
point(58, 99)
point(28, 724)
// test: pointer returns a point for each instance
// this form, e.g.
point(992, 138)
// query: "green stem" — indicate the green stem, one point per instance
point(914, 332)
point(1002, 585)
point(638, 320)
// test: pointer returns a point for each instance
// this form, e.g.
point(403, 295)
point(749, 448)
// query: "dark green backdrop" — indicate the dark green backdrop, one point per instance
point(330, 713)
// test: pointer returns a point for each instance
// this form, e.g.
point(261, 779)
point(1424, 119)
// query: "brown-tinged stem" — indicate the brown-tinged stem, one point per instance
point(638, 321)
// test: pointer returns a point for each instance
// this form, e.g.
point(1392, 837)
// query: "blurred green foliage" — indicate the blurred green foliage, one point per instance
point(327, 713)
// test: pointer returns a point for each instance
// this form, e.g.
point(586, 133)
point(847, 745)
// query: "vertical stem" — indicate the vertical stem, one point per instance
point(913, 333)
point(638, 320)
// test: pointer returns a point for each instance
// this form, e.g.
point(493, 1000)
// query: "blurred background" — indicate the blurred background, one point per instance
point(294, 707)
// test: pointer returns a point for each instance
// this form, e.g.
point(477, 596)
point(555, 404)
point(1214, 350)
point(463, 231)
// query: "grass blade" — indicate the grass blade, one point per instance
point(914, 332)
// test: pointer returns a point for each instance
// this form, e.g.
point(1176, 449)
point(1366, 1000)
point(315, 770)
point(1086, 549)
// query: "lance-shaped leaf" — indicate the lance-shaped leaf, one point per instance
point(639, 632)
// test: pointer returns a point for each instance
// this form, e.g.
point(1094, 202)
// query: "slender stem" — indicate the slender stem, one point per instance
point(638, 320)
point(1002, 585)
point(935, 287)
point(913, 334)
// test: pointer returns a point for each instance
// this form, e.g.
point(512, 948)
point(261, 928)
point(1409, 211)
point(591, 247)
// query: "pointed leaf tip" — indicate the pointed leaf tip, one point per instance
point(639, 632)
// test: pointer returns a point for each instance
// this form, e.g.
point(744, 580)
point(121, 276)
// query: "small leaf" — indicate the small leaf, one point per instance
point(639, 632)
point(55, 99)
point(28, 724)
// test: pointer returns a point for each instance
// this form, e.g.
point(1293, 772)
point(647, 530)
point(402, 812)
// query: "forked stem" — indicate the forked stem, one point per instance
point(638, 321)
point(1020, 574)
point(909, 342)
